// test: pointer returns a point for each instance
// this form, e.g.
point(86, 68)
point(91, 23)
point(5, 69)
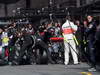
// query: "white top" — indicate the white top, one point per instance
point(69, 24)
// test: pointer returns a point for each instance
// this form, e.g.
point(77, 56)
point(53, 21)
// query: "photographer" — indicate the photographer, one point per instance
point(26, 45)
point(44, 35)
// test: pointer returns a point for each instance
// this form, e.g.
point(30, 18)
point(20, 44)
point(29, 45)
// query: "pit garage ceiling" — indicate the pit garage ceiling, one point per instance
point(8, 1)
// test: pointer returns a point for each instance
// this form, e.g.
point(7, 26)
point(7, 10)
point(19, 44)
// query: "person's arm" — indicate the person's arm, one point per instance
point(74, 27)
point(91, 29)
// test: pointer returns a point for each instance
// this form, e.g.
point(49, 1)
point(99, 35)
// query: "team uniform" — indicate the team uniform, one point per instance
point(68, 29)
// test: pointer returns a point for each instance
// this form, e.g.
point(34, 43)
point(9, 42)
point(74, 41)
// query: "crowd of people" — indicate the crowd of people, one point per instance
point(79, 39)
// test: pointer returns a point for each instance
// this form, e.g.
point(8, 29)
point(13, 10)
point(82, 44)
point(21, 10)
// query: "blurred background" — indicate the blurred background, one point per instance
point(9, 7)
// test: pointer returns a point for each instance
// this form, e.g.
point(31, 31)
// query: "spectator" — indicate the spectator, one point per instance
point(79, 35)
point(30, 29)
point(1, 40)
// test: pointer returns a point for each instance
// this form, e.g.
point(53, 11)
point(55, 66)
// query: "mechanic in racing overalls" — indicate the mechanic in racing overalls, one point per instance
point(68, 29)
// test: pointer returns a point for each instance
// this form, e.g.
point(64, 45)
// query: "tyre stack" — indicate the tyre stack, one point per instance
point(41, 56)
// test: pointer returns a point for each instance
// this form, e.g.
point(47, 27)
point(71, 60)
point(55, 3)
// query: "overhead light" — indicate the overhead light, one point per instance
point(66, 8)
point(18, 8)
point(14, 11)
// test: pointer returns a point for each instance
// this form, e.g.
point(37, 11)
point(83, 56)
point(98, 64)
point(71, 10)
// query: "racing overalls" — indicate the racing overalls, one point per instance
point(70, 46)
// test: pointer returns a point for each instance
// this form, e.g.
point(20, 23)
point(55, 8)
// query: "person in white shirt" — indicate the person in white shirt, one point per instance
point(70, 46)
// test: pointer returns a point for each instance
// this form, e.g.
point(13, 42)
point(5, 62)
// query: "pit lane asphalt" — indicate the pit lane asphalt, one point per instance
point(50, 69)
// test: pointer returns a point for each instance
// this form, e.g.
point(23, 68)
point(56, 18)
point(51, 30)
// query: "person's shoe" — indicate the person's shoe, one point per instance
point(10, 63)
point(51, 62)
point(92, 70)
point(65, 63)
point(76, 63)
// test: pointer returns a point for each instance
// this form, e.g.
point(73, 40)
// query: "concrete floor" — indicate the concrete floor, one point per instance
point(50, 69)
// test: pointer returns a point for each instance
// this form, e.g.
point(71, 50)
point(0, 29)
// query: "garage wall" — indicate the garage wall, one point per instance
point(11, 7)
point(33, 4)
point(2, 10)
